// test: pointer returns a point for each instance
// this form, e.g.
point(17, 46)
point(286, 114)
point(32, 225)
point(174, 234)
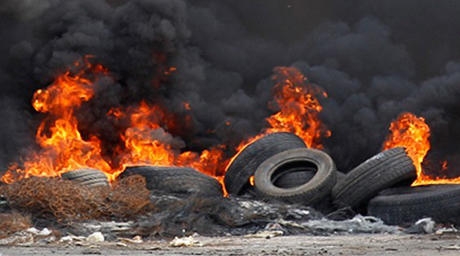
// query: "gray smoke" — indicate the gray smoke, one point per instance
point(375, 59)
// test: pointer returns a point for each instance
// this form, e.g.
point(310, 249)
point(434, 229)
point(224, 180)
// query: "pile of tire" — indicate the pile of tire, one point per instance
point(283, 169)
point(87, 177)
point(380, 186)
point(177, 181)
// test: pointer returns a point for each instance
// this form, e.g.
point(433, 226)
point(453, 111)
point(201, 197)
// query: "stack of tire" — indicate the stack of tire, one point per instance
point(283, 169)
point(177, 181)
point(87, 177)
point(380, 186)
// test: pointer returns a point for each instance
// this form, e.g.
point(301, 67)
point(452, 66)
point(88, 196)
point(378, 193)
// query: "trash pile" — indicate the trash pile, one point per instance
point(275, 184)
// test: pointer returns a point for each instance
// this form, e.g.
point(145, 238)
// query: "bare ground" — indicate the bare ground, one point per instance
point(362, 244)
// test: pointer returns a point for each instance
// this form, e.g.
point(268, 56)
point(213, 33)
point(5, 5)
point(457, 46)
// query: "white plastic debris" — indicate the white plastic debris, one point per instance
point(134, 240)
point(95, 237)
point(187, 241)
point(358, 224)
point(427, 225)
point(44, 232)
point(445, 230)
point(266, 234)
point(33, 230)
point(66, 239)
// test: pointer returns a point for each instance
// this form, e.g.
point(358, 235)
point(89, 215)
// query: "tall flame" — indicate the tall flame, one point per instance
point(145, 141)
point(148, 138)
point(299, 109)
point(62, 146)
point(141, 139)
point(412, 133)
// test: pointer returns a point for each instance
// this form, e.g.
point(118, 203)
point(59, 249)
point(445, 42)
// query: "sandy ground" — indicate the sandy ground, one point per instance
point(375, 244)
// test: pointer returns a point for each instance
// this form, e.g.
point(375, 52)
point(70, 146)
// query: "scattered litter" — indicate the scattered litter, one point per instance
point(422, 226)
point(66, 239)
point(33, 230)
point(265, 234)
point(43, 232)
point(358, 224)
point(452, 247)
point(134, 240)
point(19, 238)
point(96, 237)
point(187, 241)
point(449, 230)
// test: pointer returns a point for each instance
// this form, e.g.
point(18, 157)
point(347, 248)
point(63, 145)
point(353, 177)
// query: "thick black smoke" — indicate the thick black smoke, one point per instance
point(375, 59)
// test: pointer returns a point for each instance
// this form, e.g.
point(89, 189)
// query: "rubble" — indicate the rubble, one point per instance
point(185, 241)
point(96, 237)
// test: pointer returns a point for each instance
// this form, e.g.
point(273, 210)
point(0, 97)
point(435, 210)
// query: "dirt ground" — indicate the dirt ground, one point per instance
point(370, 244)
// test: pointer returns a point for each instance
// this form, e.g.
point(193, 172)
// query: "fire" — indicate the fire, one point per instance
point(252, 181)
point(62, 146)
point(146, 141)
point(299, 107)
point(142, 144)
point(148, 138)
point(412, 133)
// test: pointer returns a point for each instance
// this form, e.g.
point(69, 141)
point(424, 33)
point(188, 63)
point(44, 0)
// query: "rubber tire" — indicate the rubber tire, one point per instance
point(308, 193)
point(379, 172)
point(176, 180)
point(405, 205)
point(298, 176)
point(87, 176)
point(293, 177)
point(249, 158)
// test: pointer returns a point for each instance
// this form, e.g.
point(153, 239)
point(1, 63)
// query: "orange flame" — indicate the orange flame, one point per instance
point(62, 146)
point(147, 141)
point(141, 139)
point(299, 107)
point(251, 180)
point(412, 133)
point(299, 110)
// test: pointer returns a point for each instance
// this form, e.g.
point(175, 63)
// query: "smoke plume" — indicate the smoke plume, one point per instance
point(375, 59)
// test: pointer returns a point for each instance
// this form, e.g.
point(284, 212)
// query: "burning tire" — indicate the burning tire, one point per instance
point(88, 177)
point(405, 205)
point(307, 193)
point(293, 177)
point(382, 171)
point(176, 180)
point(248, 159)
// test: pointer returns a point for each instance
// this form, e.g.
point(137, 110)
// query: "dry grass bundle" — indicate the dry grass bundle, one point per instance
point(13, 222)
point(66, 200)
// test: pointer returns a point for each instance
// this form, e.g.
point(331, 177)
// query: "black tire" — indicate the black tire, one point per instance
point(248, 159)
point(293, 177)
point(382, 171)
point(176, 180)
point(340, 176)
point(405, 205)
point(86, 176)
point(308, 193)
